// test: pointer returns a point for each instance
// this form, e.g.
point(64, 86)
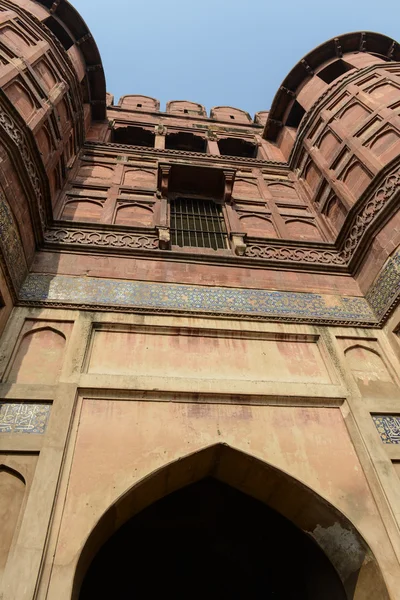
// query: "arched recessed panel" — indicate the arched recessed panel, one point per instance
point(46, 75)
point(82, 210)
point(258, 226)
point(385, 93)
point(356, 179)
point(245, 189)
point(9, 35)
point(387, 140)
point(44, 143)
point(39, 357)
point(368, 368)
point(12, 490)
point(312, 176)
point(96, 171)
point(352, 115)
point(21, 99)
point(134, 216)
point(283, 191)
point(63, 114)
point(302, 230)
point(336, 213)
point(329, 145)
point(139, 178)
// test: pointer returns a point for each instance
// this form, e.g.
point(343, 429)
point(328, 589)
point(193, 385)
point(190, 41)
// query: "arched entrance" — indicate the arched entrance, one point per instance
point(209, 540)
point(223, 523)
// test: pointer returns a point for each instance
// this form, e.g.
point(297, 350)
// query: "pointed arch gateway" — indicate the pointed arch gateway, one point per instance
point(222, 520)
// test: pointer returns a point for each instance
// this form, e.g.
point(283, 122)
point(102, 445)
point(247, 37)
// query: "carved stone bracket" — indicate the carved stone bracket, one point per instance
point(160, 129)
point(163, 178)
point(229, 175)
point(238, 243)
point(164, 238)
point(212, 135)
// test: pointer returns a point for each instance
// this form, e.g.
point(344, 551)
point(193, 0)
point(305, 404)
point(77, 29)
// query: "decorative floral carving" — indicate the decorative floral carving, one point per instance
point(10, 245)
point(101, 239)
point(15, 133)
point(373, 206)
point(288, 254)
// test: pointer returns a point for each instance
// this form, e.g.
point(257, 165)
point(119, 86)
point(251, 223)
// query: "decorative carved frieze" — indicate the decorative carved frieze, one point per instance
point(99, 239)
point(11, 250)
point(283, 253)
point(17, 134)
point(369, 210)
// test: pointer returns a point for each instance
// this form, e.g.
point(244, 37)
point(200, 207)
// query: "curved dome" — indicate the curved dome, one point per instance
point(368, 42)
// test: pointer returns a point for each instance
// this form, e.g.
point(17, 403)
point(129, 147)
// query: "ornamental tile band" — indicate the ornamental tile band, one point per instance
point(388, 427)
point(159, 297)
point(23, 417)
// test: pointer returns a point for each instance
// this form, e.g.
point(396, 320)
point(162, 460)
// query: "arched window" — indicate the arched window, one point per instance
point(198, 223)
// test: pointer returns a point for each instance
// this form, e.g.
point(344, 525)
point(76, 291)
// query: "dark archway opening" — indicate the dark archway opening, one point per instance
point(186, 142)
point(133, 136)
point(209, 540)
point(237, 147)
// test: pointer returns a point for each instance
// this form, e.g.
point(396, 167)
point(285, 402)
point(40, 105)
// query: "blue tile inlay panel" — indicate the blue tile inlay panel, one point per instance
point(23, 417)
point(386, 288)
point(159, 297)
point(388, 427)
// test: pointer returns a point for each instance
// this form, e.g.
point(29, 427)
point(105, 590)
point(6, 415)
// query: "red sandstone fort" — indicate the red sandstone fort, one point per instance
point(199, 328)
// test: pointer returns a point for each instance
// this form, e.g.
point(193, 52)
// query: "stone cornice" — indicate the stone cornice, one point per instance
point(158, 153)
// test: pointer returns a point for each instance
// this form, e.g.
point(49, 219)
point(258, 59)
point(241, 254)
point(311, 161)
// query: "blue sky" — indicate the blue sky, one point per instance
point(219, 52)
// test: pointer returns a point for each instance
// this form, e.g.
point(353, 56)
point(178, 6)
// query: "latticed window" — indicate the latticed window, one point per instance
point(197, 223)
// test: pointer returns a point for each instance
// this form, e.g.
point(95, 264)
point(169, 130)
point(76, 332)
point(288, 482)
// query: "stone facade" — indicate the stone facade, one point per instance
point(133, 364)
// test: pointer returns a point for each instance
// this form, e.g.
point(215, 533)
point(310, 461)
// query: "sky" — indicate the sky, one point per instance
point(219, 52)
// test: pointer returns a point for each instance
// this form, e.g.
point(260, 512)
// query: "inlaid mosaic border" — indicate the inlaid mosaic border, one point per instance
point(87, 292)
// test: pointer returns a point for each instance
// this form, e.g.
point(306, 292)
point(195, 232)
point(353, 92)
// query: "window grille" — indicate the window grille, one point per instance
point(197, 223)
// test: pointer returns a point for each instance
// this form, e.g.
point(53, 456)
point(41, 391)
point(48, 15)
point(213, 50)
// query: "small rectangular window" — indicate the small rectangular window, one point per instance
point(198, 223)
